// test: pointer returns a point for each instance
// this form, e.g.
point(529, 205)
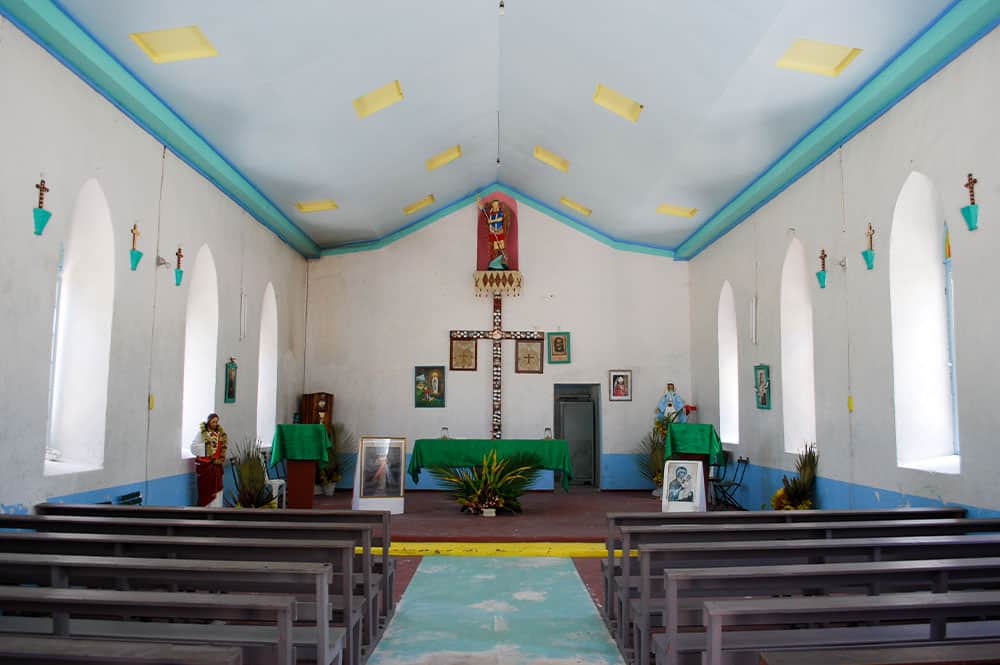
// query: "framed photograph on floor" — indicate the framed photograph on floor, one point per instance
point(762, 386)
point(620, 385)
point(464, 355)
point(558, 347)
point(683, 486)
point(382, 466)
point(528, 356)
point(428, 386)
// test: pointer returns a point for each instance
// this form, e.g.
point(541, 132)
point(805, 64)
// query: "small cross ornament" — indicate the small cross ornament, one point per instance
point(970, 184)
point(822, 260)
point(135, 234)
point(180, 255)
point(42, 189)
point(870, 233)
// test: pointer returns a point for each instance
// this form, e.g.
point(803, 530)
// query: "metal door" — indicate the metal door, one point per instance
point(577, 427)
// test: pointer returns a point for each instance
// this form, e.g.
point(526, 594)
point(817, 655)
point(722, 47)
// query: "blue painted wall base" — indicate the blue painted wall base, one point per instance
point(179, 490)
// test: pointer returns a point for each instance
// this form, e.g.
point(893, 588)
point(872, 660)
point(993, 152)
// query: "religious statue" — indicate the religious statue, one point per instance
point(497, 235)
point(671, 406)
point(209, 448)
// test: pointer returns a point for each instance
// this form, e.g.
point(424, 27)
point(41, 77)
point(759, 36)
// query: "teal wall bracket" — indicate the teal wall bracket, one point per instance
point(869, 255)
point(971, 215)
point(821, 277)
point(134, 257)
point(178, 276)
point(42, 217)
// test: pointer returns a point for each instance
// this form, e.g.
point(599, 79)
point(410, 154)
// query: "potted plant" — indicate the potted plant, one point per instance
point(799, 493)
point(495, 485)
point(653, 451)
point(250, 476)
point(341, 461)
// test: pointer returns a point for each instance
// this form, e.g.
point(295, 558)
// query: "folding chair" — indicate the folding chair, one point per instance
point(725, 490)
point(276, 480)
point(717, 474)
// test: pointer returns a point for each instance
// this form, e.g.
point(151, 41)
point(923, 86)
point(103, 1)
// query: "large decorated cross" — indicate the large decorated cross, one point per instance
point(497, 275)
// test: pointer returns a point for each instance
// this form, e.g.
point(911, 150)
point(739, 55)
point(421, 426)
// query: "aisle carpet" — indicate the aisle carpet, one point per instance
point(496, 611)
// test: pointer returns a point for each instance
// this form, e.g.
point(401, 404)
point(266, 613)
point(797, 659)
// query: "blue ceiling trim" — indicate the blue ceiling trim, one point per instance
point(470, 198)
point(957, 28)
point(53, 28)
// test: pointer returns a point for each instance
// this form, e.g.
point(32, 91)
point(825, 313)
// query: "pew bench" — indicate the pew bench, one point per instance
point(46, 650)
point(340, 554)
point(951, 654)
point(686, 589)
point(928, 612)
point(627, 586)
point(277, 611)
point(308, 582)
point(611, 566)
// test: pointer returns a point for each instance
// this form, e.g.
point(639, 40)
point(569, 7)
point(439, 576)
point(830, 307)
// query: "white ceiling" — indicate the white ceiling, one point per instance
point(276, 101)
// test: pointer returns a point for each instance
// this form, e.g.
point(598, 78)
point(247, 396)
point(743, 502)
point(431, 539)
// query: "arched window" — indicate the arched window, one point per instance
point(798, 372)
point(729, 378)
point(922, 368)
point(267, 368)
point(82, 342)
point(201, 333)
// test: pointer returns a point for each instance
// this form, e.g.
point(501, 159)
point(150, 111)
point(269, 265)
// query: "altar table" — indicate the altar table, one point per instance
point(466, 453)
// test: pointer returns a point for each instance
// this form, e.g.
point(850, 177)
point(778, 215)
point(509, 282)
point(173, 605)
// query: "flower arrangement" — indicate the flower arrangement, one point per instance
point(799, 493)
point(497, 484)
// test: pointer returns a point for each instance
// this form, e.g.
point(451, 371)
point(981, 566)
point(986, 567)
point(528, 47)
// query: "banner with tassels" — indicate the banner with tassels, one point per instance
point(498, 282)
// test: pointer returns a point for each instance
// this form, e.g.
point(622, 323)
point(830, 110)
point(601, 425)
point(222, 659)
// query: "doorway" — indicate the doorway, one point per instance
point(577, 419)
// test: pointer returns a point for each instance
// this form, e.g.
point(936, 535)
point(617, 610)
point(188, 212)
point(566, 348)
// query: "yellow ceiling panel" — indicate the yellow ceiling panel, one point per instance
point(617, 103)
point(677, 211)
point(444, 157)
point(316, 206)
point(417, 205)
point(579, 207)
point(378, 99)
point(174, 44)
point(552, 159)
point(807, 55)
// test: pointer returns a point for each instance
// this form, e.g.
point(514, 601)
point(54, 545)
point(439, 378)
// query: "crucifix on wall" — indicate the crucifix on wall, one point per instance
point(496, 275)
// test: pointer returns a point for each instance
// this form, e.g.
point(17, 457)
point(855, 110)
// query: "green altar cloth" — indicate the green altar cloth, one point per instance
point(698, 438)
point(469, 452)
point(300, 443)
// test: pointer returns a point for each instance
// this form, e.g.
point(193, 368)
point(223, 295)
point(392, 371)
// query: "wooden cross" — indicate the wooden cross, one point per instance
point(42, 189)
point(970, 184)
point(135, 234)
point(180, 255)
point(871, 234)
point(822, 260)
point(497, 335)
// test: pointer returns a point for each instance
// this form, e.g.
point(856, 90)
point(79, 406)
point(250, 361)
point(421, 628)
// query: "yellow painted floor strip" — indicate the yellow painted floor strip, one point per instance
point(575, 550)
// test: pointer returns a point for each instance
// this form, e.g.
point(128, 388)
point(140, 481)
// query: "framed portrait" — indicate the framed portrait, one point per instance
point(762, 386)
point(382, 466)
point(528, 356)
point(229, 396)
point(428, 386)
point(620, 385)
point(558, 347)
point(683, 486)
point(464, 355)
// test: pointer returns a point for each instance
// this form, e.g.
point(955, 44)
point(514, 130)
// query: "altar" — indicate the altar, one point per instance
point(464, 453)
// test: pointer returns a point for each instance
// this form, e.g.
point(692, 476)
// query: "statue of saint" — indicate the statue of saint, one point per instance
point(671, 403)
point(497, 233)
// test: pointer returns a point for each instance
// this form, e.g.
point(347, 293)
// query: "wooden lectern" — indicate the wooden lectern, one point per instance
point(302, 446)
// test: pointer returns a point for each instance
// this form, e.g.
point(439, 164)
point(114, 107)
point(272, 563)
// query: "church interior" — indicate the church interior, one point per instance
point(600, 237)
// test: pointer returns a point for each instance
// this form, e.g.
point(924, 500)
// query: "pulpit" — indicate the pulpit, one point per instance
point(694, 441)
point(302, 446)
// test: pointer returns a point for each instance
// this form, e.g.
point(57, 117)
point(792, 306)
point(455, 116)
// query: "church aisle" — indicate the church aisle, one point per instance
point(496, 611)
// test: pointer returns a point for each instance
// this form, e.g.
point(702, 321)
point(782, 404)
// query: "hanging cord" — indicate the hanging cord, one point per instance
point(152, 325)
point(847, 309)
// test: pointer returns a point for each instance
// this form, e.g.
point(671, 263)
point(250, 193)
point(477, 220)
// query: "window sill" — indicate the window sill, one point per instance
point(66, 467)
point(950, 464)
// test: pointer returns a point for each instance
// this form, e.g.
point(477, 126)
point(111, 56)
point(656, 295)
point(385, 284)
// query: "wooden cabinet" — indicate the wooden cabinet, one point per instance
point(317, 408)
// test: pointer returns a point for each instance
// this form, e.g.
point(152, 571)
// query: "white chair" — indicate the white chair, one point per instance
point(276, 483)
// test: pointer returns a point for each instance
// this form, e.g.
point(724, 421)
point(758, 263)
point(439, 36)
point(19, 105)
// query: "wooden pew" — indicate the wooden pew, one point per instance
point(931, 610)
point(360, 533)
point(623, 588)
point(379, 519)
point(790, 552)
point(275, 609)
point(695, 585)
point(45, 650)
point(340, 554)
point(304, 580)
point(951, 654)
point(618, 520)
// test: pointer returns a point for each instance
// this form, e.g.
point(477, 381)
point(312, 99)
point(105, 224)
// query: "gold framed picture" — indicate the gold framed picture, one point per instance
point(528, 356)
point(382, 466)
point(464, 355)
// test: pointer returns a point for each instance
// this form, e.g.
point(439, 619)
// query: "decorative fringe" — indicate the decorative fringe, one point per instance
point(497, 282)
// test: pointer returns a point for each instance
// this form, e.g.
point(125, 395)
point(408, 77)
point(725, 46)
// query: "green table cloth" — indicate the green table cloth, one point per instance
point(470, 452)
point(699, 438)
point(302, 443)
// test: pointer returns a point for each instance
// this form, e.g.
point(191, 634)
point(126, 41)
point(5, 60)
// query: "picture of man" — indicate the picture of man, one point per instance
point(382, 477)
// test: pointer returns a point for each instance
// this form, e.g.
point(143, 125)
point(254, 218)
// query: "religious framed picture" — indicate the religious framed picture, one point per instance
point(762, 386)
point(428, 386)
point(683, 486)
point(528, 356)
point(620, 385)
point(229, 396)
point(382, 466)
point(464, 355)
point(558, 347)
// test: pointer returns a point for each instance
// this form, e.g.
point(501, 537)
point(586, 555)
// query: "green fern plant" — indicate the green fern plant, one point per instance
point(651, 457)
point(498, 483)
point(250, 476)
point(799, 493)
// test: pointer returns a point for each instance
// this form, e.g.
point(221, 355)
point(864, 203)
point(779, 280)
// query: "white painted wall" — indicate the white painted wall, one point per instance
point(944, 129)
point(61, 127)
point(373, 316)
